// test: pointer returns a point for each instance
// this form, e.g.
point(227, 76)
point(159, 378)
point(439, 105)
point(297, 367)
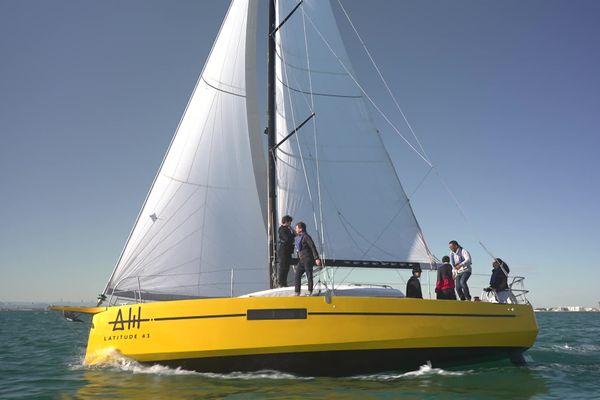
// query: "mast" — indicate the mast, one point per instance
point(271, 181)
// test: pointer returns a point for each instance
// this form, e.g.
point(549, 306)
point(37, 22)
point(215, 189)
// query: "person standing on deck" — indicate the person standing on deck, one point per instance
point(499, 281)
point(461, 261)
point(285, 249)
point(499, 278)
point(307, 257)
point(444, 286)
point(413, 286)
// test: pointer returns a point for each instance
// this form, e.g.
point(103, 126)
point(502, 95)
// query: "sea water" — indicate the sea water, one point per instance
point(41, 358)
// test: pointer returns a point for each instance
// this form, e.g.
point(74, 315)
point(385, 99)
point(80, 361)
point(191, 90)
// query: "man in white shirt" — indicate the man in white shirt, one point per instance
point(461, 261)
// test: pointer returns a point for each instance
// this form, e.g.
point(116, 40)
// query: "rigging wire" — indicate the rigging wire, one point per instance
point(500, 264)
point(383, 79)
point(384, 116)
point(306, 16)
point(291, 108)
point(431, 257)
point(424, 155)
point(137, 260)
point(314, 124)
point(297, 140)
point(321, 229)
point(310, 104)
point(359, 86)
point(407, 202)
point(421, 152)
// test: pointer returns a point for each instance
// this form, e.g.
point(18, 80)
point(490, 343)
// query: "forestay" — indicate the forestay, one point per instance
point(202, 230)
point(335, 173)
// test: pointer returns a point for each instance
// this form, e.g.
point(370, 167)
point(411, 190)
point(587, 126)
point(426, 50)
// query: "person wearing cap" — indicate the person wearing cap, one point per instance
point(499, 281)
point(499, 278)
point(444, 286)
point(413, 286)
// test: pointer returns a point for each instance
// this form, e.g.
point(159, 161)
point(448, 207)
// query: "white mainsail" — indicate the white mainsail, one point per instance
point(202, 229)
point(335, 173)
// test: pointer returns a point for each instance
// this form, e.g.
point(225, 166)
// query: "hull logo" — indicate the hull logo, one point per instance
point(132, 322)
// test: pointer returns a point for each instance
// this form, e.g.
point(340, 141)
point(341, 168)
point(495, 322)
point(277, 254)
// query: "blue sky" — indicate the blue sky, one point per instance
point(504, 96)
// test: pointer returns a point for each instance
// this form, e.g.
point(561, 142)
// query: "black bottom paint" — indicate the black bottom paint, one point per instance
point(348, 363)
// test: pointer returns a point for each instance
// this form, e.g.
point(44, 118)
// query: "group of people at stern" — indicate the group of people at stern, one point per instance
point(453, 274)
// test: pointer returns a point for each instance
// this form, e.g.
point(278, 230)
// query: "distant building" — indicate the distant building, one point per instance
point(567, 309)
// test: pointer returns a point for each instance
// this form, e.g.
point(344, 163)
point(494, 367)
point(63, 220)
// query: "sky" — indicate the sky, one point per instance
point(504, 96)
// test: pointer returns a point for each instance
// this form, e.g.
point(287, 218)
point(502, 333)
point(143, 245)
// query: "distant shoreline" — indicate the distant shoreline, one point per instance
point(550, 310)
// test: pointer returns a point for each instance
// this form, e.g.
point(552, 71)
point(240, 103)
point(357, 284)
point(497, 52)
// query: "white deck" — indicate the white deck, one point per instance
point(341, 290)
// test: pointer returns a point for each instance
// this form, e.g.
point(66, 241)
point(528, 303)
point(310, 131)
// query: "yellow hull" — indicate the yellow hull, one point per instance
point(309, 335)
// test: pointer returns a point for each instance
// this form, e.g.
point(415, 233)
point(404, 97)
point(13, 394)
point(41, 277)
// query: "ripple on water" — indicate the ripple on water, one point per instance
point(42, 356)
point(115, 361)
point(424, 370)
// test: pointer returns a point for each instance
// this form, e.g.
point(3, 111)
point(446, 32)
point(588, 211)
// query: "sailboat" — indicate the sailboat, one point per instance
point(194, 286)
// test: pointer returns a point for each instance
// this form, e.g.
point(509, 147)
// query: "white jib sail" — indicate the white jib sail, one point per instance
point(335, 173)
point(202, 230)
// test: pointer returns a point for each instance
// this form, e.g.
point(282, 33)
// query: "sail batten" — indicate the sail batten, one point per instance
point(202, 231)
point(336, 172)
point(191, 238)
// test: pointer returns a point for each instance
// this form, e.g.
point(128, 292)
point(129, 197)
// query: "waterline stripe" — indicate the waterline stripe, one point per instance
point(415, 314)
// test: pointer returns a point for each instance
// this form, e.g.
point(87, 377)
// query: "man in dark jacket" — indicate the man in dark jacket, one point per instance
point(499, 291)
point(413, 286)
point(285, 248)
point(307, 256)
point(444, 286)
point(498, 280)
